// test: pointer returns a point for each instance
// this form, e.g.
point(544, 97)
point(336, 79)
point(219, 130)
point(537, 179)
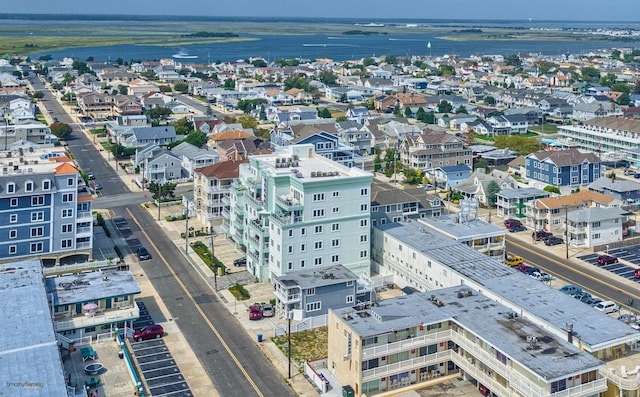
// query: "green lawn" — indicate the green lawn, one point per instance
point(544, 129)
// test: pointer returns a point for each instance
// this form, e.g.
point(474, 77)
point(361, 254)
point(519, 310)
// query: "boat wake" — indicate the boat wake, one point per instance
point(328, 45)
point(392, 39)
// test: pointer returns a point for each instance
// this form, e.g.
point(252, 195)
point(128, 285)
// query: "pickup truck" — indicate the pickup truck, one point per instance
point(514, 261)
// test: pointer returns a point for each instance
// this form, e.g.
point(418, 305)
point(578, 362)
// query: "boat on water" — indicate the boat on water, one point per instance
point(184, 55)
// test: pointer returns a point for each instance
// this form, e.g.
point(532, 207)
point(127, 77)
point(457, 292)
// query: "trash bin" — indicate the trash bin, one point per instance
point(120, 354)
point(220, 271)
point(259, 337)
point(347, 391)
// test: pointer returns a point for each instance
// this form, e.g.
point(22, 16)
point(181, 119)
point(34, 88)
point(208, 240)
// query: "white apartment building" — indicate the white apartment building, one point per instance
point(595, 226)
point(294, 210)
point(608, 137)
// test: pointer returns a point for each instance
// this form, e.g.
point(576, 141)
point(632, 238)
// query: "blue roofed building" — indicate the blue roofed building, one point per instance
point(449, 176)
point(563, 169)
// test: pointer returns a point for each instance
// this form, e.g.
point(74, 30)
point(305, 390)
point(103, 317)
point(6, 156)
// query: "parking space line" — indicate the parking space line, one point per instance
point(173, 393)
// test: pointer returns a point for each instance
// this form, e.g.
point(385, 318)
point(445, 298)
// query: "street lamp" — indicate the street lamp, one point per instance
point(289, 318)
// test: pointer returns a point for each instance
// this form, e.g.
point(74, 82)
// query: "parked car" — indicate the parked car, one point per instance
point(240, 261)
point(636, 175)
point(143, 254)
point(553, 240)
point(606, 307)
point(267, 310)
point(530, 270)
point(540, 235)
point(523, 267)
point(594, 300)
point(90, 176)
point(636, 273)
point(514, 260)
point(509, 223)
point(542, 276)
point(255, 312)
point(607, 259)
point(628, 318)
point(97, 186)
point(571, 290)
point(583, 295)
point(153, 331)
point(517, 228)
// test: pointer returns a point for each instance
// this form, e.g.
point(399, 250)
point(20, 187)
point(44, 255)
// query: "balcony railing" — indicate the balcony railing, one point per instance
point(290, 204)
point(84, 245)
point(406, 365)
point(286, 298)
point(84, 214)
point(78, 267)
point(628, 383)
point(286, 220)
point(131, 312)
point(404, 345)
point(257, 201)
point(84, 229)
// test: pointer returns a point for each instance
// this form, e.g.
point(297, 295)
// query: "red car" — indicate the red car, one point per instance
point(607, 259)
point(636, 273)
point(149, 332)
point(255, 312)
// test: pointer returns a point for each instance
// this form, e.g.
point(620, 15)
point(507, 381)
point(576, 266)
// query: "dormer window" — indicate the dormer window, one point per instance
point(11, 187)
point(46, 184)
point(28, 186)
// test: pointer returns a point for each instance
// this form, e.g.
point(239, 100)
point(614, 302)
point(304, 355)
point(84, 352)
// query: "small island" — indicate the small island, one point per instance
point(361, 33)
point(211, 34)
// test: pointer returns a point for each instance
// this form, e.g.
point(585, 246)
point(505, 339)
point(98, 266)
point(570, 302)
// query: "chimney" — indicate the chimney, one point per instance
point(570, 332)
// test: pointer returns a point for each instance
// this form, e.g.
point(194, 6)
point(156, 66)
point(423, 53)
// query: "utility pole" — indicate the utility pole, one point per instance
point(186, 231)
point(566, 230)
point(158, 195)
point(289, 315)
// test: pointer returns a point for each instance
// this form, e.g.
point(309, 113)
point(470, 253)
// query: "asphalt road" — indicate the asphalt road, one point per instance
point(234, 363)
point(597, 281)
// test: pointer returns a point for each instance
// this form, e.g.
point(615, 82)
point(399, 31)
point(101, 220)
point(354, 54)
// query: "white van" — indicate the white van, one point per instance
point(606, 306)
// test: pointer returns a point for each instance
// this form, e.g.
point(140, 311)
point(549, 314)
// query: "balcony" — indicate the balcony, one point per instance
point(119, 314)
point(83, 245)
point(286, 297)
point(404, 345)
point(226, 201)
point(286, 219)
point(289, 203)
point(406, 365)
point(253, 182)
point(256, 201)
point(257, 226)
point(84, 215)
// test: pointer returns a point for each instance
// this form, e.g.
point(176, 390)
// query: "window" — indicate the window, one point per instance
point(303, 231)
point(364, 191)
point(318, 213)
point(46, 185)
point(595, 236)
point(67, 213)
point(37, 231)
point(290, 232)
point(350, 283)
point(349, 298)
point(335, 242)
point(37, 201)
point(302, 263)
point(374, 208)
point(13, 249)
point(66, 243)
point(364, 223)
point(364, 207)
point(318, 245)
point(335, 210)
point(318, 229)
point(317, 261)
point(595, 224)
point(318, 197)
point(363, 238)
point(335, 258)
point(13, 202)
point(335, 227)
point(11, 187)
point(67, 197)
point(36, 247)
point(335, 194)
point(363, 254)
point(303, 247)
point(13, 218)
point(290, 249)
point(69, 181)
point(28, 186)
point(37, 216)
point(289, 265)
point(314, 306)
point(13, 233)
point(311, 291)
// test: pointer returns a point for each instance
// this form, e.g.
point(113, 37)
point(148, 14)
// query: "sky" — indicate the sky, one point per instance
point(579, 10)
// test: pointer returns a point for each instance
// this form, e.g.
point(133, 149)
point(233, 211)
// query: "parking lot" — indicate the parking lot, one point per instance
point(630, 254)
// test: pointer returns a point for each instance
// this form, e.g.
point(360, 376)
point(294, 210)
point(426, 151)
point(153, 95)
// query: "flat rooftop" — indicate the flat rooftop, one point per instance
point(548, 356)
point(457, 227)
point(29, 356)
point(310, 278)
point(90, 286)
point(523, 193)
point(30, 161)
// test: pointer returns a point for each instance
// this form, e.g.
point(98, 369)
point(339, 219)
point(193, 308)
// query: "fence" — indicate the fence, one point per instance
point(306, 324)
point(617, 244)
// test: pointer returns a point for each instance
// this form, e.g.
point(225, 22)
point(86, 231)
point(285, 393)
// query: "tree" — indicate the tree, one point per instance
point(123, 89)
point(263, 113)
point(182, 88)
point(462, 109)
point(196, 138)
point(259, 63)
point(341, 119)
point(343, 98)
point(444, 107)
point(391, 59)
point(489, 100)
point(38, 95)
point(61, 130)
point(492, 192)
point(446, 70)
point(524, 145)
point(590, 74)
point(164, 88)
point(229, 84)
point(162, 192)
point(429, 118)
point(480, 164)
point(324, 113)
point(513, 60)
point(327, 77)
point(248, 121)
point(408, 112)
point(621, 87)
point(182, 126)
point(546, 67)
point(377, 161)
point(608, 79)
point(552, 189)
point(368, 62)
point(157, 114)
point(412, 176)
point(624, 99)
